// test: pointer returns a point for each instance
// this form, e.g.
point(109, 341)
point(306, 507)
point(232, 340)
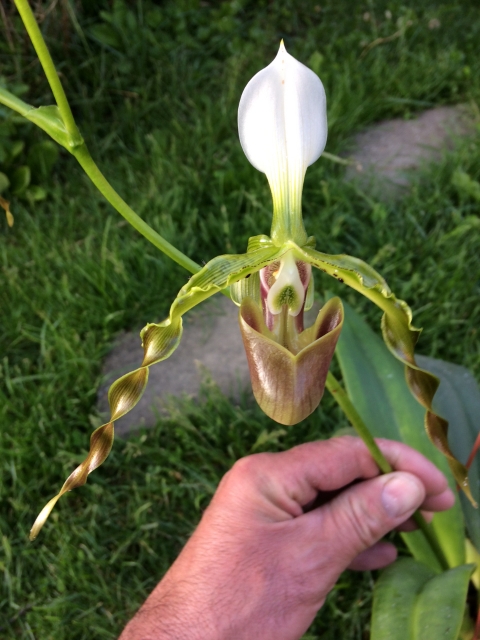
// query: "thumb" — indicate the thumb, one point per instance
point(362, 514)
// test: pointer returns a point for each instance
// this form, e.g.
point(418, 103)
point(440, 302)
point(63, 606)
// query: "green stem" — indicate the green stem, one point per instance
point(85, 160)
point(76, 145)
point(46, 61)
point(14, 103)
point(87, 163)
point(341, 397)
point(432, 540)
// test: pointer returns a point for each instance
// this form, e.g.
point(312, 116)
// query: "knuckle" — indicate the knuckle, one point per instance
point(247, 470)
point(250, 465)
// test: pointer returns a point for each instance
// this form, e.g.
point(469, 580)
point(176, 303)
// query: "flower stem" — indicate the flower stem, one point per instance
point(87, 163)
point(77, 147)
point(14, 103)
point(341, 397)
point(46, 61)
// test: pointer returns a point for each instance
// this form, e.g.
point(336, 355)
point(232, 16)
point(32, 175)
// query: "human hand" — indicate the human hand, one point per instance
point(260, 564)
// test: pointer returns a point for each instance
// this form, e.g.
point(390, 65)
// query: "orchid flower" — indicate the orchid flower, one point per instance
point(283, 129)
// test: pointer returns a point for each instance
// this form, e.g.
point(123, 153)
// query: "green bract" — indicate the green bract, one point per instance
point(283, 129)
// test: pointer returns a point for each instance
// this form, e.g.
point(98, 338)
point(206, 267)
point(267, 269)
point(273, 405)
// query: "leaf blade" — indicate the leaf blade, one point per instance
point(376, 385)
point(411, 602)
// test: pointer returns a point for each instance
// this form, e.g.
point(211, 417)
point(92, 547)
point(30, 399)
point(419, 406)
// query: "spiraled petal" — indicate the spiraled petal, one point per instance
point(101, 442)
point(125, 392)
point(159, 342)
point(400, 337)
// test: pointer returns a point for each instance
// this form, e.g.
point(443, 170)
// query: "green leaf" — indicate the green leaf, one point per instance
point(465, 185)
point(17, 148)
point(399, 335)
point(458, 399)
point(42, 158)
point(35, 193)
point(4, 182)
point(20, 179)
point(375, 383)
point(411, 602)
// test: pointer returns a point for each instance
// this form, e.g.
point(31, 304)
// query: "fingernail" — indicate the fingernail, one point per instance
point(400, 495)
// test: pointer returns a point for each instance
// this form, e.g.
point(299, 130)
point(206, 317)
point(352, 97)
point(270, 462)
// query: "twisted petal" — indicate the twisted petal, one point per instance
point(159, 342)
point(124, 394)
point(289, 387)
point(400, 336)
point(282, 123)
point(101, 442)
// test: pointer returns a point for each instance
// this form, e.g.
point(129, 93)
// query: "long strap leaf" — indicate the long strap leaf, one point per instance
point(412, 602)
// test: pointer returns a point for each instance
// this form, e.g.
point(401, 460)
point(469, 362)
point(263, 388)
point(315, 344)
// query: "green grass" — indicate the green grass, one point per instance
point(158, 106)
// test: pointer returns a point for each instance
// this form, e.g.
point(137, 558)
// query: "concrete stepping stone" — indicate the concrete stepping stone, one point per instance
point(211, 340)
point(390, 153)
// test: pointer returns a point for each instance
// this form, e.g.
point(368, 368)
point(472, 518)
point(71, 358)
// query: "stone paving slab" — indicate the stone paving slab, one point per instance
point(390, 153)
point(211, 338)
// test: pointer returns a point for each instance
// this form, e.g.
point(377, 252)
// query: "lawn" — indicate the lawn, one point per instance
point(155, 88)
